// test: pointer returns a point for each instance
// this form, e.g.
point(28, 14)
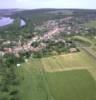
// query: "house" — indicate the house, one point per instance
point(6, 42)
point(2, 53)
point(71, 50)
point(18, 65)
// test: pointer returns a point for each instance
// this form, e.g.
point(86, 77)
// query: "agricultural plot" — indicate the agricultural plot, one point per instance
point(72, 85)
point(83, 41)
point(32, 85)
point(63, 77)
point(79, 60)
point(91, 24)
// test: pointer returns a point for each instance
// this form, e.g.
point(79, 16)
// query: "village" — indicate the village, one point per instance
point(50, 30)
point(51, 56)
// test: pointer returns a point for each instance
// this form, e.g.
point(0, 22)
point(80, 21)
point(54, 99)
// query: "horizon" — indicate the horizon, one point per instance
point(47, 8)
point(42, 4)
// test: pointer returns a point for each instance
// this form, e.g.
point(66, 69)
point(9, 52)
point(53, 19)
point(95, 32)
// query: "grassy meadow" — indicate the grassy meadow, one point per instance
point(62, 77)
point(91, 24)
point(72, 85)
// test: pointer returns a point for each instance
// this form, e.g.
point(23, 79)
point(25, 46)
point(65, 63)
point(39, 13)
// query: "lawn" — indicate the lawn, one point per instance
point(62, 77)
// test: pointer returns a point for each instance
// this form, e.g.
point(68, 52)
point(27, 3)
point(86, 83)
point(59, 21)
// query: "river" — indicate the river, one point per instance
point(22, 23)
point(4, 21)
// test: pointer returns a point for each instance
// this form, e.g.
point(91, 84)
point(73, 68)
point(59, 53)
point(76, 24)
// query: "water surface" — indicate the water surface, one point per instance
point(22, 23)
point(5, 21)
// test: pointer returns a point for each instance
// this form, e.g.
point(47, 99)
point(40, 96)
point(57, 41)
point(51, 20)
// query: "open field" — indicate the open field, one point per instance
point(63, 77)
point(32, 85)
point(68, 61)
point(91, 24)
point(83, 41)
point(72, 85)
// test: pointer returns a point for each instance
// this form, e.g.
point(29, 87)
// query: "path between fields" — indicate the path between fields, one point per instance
point(90, 69)
point(89, 51)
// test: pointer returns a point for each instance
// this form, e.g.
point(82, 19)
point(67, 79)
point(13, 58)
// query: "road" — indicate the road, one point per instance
point(89, 51)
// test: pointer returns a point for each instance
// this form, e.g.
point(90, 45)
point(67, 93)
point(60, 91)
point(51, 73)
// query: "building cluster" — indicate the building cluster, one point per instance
point(68, 25)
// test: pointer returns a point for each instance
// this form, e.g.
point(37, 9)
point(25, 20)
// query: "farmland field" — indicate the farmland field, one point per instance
point(32, 84)
point(91, 24)
point(63, 77)
point(83, 41)
point(80, 60)
point(72, 85)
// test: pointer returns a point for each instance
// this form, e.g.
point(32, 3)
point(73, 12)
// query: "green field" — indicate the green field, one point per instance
point(91, 24)
point(72, 85)
point(32, 84)
point(83, 41)
point(79, 60)
point(63, 77)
